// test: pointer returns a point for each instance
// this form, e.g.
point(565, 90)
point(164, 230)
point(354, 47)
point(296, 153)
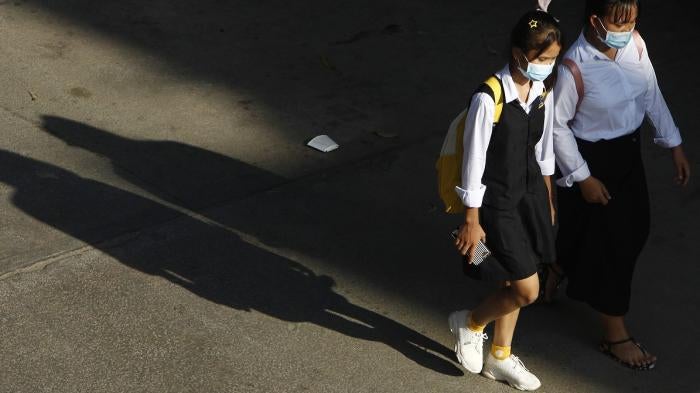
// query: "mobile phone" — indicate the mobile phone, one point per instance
point(481, 253)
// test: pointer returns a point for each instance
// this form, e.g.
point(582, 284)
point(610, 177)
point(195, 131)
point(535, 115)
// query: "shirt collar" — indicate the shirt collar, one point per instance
point(589, 52)
point(510, 92)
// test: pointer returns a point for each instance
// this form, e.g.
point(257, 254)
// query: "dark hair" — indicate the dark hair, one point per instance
point(618, 9)
point(536, 30)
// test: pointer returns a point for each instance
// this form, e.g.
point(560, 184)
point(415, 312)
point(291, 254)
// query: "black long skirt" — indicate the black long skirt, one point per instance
point(519, 239)
point(598, 245)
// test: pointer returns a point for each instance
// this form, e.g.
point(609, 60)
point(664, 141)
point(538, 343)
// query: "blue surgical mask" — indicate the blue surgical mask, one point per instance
point(536, 72)
point(617, 40)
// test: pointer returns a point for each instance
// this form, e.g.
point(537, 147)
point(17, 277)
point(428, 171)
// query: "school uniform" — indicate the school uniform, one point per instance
point(597, 245)
point(502, 174)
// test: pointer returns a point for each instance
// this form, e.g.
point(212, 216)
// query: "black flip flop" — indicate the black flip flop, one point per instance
point(606, 348)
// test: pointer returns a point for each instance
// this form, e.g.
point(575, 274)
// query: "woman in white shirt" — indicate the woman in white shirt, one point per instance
point(506, 189)
point(604, 90)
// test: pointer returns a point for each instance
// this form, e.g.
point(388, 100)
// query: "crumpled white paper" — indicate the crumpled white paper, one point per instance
point(323, 143)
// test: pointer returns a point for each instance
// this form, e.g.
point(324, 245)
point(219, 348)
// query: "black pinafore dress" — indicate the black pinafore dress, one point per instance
point(515, 212)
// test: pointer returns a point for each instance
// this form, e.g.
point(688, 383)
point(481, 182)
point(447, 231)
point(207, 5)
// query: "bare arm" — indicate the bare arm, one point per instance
point(550, 194)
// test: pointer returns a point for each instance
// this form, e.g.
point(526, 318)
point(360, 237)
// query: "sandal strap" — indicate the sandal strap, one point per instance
point(641, 347)
point(611, 344)
point(636, 343)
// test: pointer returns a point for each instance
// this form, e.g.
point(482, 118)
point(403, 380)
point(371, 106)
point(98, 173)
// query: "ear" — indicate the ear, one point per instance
point(592, 23)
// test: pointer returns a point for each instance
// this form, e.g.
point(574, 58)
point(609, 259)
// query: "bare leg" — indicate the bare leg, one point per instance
point(615, 330)
point(510, 298)
point(554, 278)
point(505, 327)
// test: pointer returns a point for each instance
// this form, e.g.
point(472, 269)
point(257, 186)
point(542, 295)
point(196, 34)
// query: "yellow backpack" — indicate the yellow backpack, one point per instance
point(449, 164)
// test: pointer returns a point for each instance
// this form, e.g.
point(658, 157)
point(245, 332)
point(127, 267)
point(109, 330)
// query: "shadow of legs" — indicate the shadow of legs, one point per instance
point(358, 322)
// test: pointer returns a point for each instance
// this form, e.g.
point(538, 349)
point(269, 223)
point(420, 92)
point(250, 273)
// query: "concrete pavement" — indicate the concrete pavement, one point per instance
point(165, 230)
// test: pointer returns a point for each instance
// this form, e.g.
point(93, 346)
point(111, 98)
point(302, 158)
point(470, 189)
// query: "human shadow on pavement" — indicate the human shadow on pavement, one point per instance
point(177, 172)
point(322, 219)
point(320, 224)
point(208, 260)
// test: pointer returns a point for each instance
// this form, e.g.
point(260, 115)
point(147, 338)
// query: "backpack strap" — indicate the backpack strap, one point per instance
point(576, 71)
point(494, 88)
point(449, 164)
point(578, 78)
point(638, 42)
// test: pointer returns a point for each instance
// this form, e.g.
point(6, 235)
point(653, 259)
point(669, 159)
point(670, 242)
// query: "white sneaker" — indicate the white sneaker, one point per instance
point(470, 344)
point(511, 370)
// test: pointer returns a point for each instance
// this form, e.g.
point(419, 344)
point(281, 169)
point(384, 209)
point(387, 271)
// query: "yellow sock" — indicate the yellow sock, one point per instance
point(500, 353)
point(473, 326)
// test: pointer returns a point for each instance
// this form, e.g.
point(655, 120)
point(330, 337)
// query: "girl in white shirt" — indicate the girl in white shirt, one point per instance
point(601, 98)
point(507, 193)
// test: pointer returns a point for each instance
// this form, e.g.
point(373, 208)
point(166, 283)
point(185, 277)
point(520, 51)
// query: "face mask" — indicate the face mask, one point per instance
point(536, 72)
point(617, 40)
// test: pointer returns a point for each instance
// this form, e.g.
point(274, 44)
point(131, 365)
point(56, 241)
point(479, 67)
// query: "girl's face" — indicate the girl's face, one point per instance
point(548, 56)
point(622, 22)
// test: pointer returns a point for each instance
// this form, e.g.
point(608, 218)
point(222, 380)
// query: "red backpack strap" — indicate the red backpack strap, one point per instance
point(578, 78)
point(638, 42)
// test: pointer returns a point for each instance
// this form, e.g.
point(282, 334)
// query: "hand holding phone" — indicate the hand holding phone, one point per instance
point(481, 252)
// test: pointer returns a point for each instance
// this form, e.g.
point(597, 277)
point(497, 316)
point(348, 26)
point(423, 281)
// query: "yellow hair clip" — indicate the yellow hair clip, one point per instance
point(533, 24)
